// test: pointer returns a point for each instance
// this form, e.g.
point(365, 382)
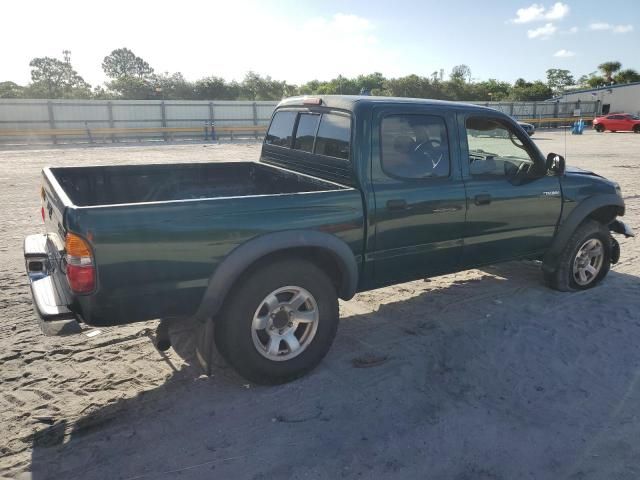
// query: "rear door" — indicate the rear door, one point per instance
point(615, 122)
point(419, 194)
point(511, 213)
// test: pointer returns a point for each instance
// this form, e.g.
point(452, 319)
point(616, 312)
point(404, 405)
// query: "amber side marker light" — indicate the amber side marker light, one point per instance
point(43, 196)
point(81, 271)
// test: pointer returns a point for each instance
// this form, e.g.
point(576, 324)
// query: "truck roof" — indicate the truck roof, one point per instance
point(349, 102)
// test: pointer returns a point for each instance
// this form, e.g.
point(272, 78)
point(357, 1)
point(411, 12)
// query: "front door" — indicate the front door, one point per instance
point(513, 205)
point(419, 194)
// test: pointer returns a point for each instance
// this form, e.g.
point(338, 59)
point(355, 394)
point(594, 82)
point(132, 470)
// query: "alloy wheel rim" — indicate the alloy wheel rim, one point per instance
point(285, 323)
point(588, 262)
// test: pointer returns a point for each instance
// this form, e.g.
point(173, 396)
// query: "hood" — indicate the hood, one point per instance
point(569, 170)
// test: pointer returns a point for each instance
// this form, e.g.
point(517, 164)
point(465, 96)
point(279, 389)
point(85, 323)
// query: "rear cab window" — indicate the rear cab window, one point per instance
point(334, 136)
point(306, 132)
point(281, 129)
point(327, 134)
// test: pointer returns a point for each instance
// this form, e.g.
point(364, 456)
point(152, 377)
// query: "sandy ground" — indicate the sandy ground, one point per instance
point(485, 374)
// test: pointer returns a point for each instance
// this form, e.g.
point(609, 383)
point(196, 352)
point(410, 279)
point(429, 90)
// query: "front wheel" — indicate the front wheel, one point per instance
point(585, 260)
point(599, 128)
point(279, 323)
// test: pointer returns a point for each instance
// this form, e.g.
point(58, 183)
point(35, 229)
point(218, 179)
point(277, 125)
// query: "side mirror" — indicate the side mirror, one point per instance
point(555, 163)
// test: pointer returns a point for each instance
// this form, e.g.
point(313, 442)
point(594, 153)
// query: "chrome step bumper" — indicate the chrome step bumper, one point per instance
point(54, 316)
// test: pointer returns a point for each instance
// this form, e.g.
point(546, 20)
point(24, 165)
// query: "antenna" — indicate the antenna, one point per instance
point(565, 142)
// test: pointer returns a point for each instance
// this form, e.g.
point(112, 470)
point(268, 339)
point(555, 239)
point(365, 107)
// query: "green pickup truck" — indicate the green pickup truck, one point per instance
point(350, 194)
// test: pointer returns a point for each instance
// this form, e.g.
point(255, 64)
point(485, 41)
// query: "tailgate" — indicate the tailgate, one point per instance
point(54, 204)
point(44, 262)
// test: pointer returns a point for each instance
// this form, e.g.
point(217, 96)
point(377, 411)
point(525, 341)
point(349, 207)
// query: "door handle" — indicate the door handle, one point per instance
point(483, 199)
point(397, 204)
point(445, 210)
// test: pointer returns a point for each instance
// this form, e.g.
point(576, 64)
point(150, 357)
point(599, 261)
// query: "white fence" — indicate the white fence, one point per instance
point(86, 120)
point(38, 121)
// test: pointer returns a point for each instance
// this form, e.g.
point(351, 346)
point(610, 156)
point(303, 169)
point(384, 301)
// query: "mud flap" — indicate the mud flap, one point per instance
point(618, 226)
point(204, 345)
point(207, 355)
point(615, 250)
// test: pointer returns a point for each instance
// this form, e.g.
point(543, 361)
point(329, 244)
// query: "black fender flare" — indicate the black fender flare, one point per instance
point(246, 254)
point(573, 220)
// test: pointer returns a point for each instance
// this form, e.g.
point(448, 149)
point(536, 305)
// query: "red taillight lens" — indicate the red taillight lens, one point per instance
point(42, 212)
point(81, 272)
point(82, 279)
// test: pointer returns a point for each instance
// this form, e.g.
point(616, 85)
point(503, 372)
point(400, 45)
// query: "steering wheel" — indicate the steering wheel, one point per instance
point(523, 168)
point(430, 143)
point(427, 152)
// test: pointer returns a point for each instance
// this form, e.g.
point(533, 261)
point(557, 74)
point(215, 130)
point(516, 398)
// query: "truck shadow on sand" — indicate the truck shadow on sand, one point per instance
point(494, 376)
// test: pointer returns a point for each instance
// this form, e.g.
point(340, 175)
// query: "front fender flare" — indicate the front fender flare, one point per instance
point(574, 219)
point(246, 254)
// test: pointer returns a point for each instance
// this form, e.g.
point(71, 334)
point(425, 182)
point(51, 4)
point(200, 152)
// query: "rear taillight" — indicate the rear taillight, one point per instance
point(42, 213)
point(81, 271)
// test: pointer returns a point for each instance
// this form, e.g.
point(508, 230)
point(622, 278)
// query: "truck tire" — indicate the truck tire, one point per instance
point(585, 260)
point(279, 322)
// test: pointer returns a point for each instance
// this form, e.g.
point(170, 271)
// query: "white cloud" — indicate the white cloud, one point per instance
point(349, 23)
point(544, 32)
point(602, 26)
point(557, 11)
point(570, 31)
point(267, 39)
point(529, 14)
point(537, 12)
point(564, 53)
point(623, 28)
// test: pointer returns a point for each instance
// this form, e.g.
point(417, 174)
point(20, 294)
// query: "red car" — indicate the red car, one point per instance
point(617, 122)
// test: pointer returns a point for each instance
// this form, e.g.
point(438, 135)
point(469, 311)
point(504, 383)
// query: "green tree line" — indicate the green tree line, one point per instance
point(132, 78)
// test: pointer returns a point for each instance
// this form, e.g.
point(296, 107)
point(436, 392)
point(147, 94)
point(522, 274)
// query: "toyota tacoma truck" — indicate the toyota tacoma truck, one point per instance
point(349, 194)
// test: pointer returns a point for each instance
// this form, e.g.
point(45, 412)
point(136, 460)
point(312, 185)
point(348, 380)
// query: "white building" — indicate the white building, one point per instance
point(612, 99)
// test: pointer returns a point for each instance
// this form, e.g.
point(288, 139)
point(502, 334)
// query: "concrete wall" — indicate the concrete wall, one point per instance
point(621, 98)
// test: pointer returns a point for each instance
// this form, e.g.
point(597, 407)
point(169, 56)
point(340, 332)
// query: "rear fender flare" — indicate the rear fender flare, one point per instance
point(248, 253)
point(575, 218)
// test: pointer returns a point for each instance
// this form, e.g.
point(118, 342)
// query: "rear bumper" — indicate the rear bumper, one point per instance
point(50, 305)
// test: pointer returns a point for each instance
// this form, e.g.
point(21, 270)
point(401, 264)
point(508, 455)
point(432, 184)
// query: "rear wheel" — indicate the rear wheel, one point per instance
point(599, 128)
point(279, 323)
point(636, 129)
point(585, 260)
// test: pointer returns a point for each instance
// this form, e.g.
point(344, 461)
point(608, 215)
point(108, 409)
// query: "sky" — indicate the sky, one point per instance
point(298, 41)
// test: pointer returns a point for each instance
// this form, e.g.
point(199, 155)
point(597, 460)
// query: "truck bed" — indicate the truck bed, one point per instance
point(158, 232)
point(122, 184)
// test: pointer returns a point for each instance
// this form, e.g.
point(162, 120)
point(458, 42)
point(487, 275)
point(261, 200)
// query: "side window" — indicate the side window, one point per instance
point(281, 129)
point(415, 146)
point(306, 132)
point(334, 136)
point(495, 149)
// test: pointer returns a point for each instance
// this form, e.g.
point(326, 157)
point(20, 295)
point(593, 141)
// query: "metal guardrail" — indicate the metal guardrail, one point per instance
point(209, 131)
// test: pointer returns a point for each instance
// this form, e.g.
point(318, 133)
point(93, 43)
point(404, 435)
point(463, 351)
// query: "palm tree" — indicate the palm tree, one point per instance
point(628, 75)
point(608, 69)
